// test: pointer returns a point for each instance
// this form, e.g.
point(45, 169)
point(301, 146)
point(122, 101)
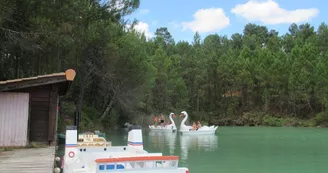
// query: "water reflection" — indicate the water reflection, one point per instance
point(193, 142)
point(162, 139)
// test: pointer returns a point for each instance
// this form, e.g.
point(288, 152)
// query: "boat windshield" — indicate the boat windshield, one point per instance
point(128, 163)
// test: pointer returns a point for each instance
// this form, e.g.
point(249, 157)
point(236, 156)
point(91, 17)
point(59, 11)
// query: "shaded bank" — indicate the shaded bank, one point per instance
point(261, 119)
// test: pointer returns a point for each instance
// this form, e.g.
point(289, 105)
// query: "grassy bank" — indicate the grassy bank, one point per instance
point(262, 119)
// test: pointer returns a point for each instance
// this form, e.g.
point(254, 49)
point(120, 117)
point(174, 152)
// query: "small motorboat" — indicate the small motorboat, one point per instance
point(89, 153)
point(165, 128)
point(184, 129)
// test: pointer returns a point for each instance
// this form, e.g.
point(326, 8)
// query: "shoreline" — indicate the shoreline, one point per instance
point(267, 121)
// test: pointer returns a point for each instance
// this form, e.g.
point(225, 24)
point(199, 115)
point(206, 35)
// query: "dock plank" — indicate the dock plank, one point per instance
point(32, 160)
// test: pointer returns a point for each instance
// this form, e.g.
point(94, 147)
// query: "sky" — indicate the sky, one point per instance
point(184, 17)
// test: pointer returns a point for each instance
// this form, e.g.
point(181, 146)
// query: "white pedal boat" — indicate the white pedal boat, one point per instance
point(166, 128)
point(184, 129)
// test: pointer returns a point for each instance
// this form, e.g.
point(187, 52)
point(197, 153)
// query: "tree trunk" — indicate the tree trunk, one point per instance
point(108, 108)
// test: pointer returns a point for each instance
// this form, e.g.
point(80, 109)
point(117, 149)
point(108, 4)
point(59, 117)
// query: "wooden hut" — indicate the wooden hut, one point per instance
point(29, 108)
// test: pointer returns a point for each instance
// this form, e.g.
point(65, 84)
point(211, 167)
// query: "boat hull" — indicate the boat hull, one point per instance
point(200, 132)
point(163, 130)
point(85, 154)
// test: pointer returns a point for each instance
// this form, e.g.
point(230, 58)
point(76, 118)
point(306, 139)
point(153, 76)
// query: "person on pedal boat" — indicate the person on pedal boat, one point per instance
point(194, 126)
point(199, 125)
point(156, 121)
point(162, 120)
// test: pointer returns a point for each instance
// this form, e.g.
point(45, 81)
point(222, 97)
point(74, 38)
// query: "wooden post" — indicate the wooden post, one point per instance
point(52, 114)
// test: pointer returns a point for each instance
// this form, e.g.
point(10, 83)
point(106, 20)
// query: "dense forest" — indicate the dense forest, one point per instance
point(257, 77)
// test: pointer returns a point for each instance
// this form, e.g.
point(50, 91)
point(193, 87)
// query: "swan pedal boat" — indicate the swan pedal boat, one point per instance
point(204, 130)
point(166, 128)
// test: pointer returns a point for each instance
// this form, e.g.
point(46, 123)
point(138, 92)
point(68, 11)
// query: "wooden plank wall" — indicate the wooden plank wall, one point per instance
point(14, 113)
point(39, 118)
point(43, 113)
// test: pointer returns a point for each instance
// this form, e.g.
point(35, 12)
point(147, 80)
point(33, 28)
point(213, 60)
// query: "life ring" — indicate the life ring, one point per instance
point(71, 154)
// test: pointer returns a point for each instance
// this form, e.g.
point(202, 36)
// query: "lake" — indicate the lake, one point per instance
point(242, 149)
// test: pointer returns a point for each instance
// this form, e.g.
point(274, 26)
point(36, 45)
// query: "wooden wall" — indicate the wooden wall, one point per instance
point(42, 121)
point(14, 113)
point(39, 118)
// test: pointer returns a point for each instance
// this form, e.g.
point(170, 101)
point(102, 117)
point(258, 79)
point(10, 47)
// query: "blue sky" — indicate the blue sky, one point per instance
point(184, 17)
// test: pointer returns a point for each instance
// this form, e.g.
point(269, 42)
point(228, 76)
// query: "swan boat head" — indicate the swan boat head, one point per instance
point(183, 125)
point(183, 113)
point(172, 115)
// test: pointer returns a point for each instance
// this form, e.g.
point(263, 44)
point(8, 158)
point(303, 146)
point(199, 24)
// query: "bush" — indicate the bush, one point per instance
point(321, 119)
point(273, 121)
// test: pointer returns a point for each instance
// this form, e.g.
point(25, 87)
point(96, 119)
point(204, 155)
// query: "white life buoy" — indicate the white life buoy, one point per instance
point(71, 154)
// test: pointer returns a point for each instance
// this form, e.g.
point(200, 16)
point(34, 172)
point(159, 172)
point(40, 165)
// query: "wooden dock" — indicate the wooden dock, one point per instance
point(32, 160)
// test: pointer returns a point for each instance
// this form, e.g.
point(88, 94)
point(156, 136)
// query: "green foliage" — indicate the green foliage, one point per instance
point(66, 115)
point(122, 76)
point(321, 119)
point(273, 121)
point(112, 121)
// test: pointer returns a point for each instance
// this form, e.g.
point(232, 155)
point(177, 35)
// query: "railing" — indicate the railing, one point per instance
point(95, 144)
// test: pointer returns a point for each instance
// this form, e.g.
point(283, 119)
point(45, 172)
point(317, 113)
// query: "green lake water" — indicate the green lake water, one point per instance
point(242, 149)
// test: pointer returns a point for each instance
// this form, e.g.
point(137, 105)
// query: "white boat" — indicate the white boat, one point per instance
point(100, 157)
point(166, 128)
point(184, 129)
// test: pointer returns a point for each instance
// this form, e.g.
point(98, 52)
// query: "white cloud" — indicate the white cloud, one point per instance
point(207, 20)
point(269, 12)
point(144, 11)
point(143, 27)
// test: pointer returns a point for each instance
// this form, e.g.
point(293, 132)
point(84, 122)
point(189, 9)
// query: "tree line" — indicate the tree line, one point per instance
point(122, 76)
